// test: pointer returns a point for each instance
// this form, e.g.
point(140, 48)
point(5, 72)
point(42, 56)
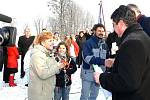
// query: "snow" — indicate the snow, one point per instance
point(20, 91)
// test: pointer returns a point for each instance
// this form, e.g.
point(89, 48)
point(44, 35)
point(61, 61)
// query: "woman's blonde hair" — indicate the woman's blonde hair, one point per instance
point(43, 36)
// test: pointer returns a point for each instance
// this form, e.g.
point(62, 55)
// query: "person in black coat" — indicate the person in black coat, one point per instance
point(88, 34)
point(112, 38)
point(80, 41)
point(130, 75)
point(63, 79)
point(143, 20)
point(24, 43)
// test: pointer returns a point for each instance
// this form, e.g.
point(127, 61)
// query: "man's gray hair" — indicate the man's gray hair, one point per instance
point(134, 7)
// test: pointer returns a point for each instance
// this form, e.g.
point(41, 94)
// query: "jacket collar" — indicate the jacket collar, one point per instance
point(96, 39)
point(140, 18)
point(43, 49)
point(132, 28)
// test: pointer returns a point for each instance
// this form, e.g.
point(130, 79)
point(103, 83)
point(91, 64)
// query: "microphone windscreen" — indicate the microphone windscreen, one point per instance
point(5, 18)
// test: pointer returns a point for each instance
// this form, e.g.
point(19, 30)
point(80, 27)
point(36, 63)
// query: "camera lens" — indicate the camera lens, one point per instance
point(4, 36)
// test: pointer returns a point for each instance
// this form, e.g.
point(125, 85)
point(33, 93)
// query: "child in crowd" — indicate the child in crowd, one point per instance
point(63, 79)
point(12, 63)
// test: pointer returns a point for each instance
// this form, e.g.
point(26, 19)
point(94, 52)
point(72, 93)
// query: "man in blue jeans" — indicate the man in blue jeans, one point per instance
point(94, 53)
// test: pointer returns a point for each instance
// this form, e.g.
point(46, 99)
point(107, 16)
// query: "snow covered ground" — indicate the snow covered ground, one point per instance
point(20, 91)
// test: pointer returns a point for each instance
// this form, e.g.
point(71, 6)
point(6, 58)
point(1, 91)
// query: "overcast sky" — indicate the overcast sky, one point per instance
point(110, 5)
point(26, 10)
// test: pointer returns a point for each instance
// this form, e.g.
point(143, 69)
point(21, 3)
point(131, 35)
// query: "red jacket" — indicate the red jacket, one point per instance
point(13, 55)
point(76, 48)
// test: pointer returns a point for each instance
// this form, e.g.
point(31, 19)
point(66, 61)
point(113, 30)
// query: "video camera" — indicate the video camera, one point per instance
point(7, 37)
point(7, 33)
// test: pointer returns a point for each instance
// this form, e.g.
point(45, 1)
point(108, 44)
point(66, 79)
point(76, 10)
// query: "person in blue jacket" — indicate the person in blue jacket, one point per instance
point(94, 53)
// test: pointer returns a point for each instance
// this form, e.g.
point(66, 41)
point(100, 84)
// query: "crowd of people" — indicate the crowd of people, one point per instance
point(123, 58)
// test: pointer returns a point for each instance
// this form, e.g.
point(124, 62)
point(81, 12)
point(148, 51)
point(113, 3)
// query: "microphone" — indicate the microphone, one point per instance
point(5, 18)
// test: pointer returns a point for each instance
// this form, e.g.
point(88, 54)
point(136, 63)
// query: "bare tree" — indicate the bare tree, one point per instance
point(52, 24)
point(58, 8)
point(69, 16)
point(38, 22)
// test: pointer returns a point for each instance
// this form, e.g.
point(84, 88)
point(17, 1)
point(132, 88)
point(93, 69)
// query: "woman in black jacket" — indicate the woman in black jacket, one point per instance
point(80, 41)
point(63, 79)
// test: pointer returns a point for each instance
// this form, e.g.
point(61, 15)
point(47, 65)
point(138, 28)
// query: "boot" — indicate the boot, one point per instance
point(11, 81)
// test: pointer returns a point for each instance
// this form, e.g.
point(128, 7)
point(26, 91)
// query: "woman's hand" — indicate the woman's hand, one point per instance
point(61, 65)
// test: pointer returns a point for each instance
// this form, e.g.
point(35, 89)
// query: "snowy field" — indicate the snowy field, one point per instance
point(20, 91)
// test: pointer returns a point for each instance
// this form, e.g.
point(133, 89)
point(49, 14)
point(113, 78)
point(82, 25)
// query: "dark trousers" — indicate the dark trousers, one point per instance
point(22, 66)
point(5, 71)
point(1, 58)
point(6, 74)
point(79, 59)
